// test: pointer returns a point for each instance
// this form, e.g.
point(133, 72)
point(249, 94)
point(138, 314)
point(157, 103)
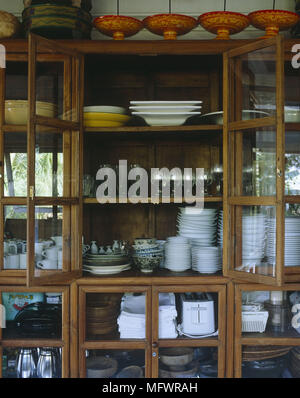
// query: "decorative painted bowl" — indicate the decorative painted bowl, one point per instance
point(118, 26)
point(273, 21)
point(169, 25)
point(57, 22)
point(224, 23)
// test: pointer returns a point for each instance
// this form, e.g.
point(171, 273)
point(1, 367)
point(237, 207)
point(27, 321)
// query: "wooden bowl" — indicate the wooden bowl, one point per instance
point(101, 367)
point(189, 372)
point(169, 25)
point(176, 356)
point(118, 26)
point(224, 23)
point(273, 21)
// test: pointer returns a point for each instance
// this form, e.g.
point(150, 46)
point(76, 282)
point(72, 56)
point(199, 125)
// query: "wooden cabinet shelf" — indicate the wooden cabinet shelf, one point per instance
point(153, 129)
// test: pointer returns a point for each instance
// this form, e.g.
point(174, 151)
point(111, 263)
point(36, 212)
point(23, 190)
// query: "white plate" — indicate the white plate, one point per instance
point(164, 108)
point(106, 272)
point(165, 119)
point(166, 103)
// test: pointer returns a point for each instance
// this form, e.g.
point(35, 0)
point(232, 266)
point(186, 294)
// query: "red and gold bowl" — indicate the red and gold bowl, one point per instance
point(118, 26)
point(170, 25)
point(272, 21)
point(224, 23)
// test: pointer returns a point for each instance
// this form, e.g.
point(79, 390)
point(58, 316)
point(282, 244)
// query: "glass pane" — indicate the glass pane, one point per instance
point(31, 362)
point(48, 243)
point(115, 315)
point(292, 162)
point(188, 362)
point(254, 152)
point(15, 243)
point(292, 235)
point(292, 93)
point(53, 90)
point(16, 85)
point(253, 241)
point(49, 164)
point(15, 164)
point(255, 83)
point(270, 313)
point(32, 315)
point(190, 315)
point(115, 364)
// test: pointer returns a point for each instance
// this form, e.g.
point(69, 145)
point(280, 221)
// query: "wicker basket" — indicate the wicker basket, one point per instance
point(254, 321)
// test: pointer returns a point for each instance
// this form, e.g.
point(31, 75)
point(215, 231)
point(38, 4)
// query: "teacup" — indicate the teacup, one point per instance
point(38, 248)
point(12, 261)
point(12, 248)
point(23, 260)
point(51, 253)
point(47, 264)
point(58, 240)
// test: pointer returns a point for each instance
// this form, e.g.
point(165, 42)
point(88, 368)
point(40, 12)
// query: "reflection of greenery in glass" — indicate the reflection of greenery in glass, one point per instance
point(46, 183)
point(16, 212)
point(292, 174)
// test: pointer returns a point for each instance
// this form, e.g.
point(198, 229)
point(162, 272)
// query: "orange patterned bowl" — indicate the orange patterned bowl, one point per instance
point(272, 21)
point(224, 23)
point(170, 25)
point(118, 26)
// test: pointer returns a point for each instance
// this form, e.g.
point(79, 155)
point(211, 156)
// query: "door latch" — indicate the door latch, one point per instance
point(31, 192)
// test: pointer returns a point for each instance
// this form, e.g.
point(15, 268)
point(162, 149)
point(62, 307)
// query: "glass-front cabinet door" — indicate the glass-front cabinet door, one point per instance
point(54, 132)
point(34, 332)
point(266, 341)
point(188, 331)
point(292, 166)
point(41, 133)
point(114, 332)
point(254, 166)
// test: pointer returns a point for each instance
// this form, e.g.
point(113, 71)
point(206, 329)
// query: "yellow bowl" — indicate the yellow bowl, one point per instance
point(16, 111)
point(102, 123)
point(102, 116)
point(118, 26)
point(272, 21)
point(169, 25)
point(224, 23)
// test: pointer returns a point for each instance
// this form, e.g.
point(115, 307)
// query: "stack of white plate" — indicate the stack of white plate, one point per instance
point(254, 238)
point(220, 229)
point(207, 260)
point(165, 113)
point(198, 225)
point(177, 254)
point(292, 241)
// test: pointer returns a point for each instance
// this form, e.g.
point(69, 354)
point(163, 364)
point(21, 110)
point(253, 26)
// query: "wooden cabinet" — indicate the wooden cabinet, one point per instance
point(258, 157)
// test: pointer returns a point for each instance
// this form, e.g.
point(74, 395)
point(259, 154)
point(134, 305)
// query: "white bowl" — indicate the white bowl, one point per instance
point(165, 119)
point(163, 108)
point(105, 109)
point(166, 103)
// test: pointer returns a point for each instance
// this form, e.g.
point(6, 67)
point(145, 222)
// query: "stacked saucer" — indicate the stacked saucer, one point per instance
point(292, 241)
point(177, 254)
point(254, 237)
point(207, 260)
point(198, 225)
